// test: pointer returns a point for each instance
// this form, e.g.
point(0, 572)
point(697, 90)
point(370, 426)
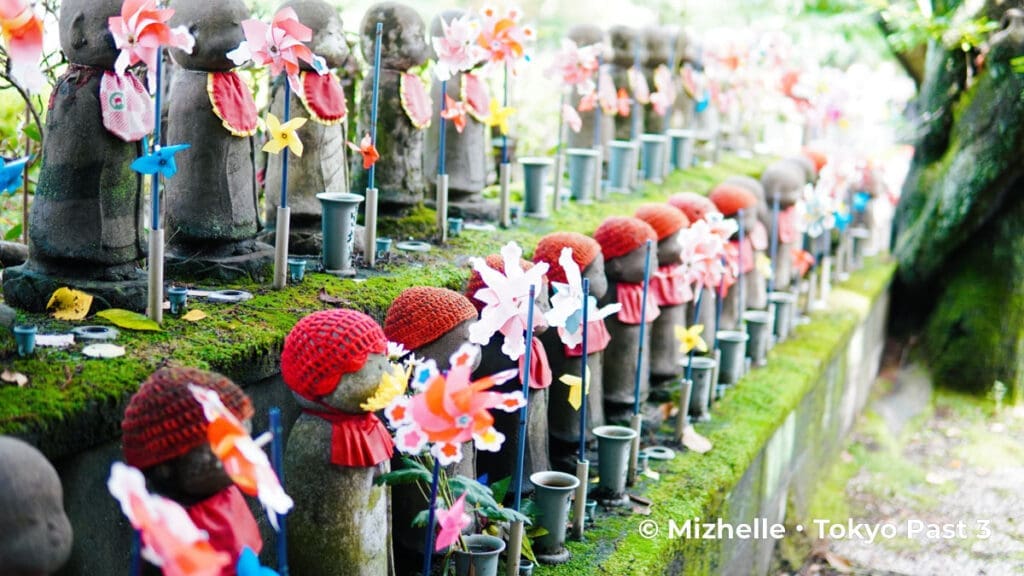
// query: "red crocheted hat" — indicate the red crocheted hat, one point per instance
point(476, 282)
point(326, 345)
point(695, 206)
point(423, 314)
point(584, 250)
point(730, 198)
point(817, 156)
point(665, 219)
point(164, 421)
point(619, 235)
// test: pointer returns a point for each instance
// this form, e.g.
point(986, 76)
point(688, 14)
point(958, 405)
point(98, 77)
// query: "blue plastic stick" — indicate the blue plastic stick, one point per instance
point(504, 137)
point(719, 303)
point(443, 127)
point(135, 566)
point(521, 455)
point(696, 316)
point(155, 188)
point(598, 112)
point(634, 125)
point(739, 265)
point(643, 329)
point(774, 246)
point(277, 460)
point(374, 102)
point(583, 373)
point(284, 156)
point(428, 550)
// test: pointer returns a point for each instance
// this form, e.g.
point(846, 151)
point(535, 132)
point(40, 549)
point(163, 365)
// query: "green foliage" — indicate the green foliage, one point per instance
point(128, 319)
point(910, 27)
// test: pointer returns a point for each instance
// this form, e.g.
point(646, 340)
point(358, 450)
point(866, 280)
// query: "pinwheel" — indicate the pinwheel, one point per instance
point(502, 37)
point(577, 65)
point(170, 539)
point(455, 111)
point(139, 33)
point(279, 45)
point(506, 300)
point(690, 339)
point(499, 116)
point(623, 103)
point(567, 303)
point(452, 521)
point(11, 173)
point(284, 135)
point(249, 564)
point(242, 457)
point(802, 261)
point(575, 384)
point(23, 35)
point(572, 118)
point(392, 385)
point(368, 151)
point(457, 49)
point(449, 409)
point(160, 160)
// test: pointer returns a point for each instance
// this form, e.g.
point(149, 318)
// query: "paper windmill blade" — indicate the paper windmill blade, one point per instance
point(161, 160)
point(11, 175)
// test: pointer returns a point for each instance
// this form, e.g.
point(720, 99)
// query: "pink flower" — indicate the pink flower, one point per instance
point(280, 45)
point(502, 38)
point(457, 51)
point(139, 33)
point(577, 65)
point(572, 118)
point(452, 521)
point(23, 34)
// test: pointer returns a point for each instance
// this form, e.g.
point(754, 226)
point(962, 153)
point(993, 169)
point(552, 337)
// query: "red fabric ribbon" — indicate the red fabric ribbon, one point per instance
point(631, 298)
point(788, 231)
point(357, 440)
point(324, 98)
point(540, 368)
point(733, 256)
point(669, 286)
point(226, 518)
point(597, 340)
point(232, 102)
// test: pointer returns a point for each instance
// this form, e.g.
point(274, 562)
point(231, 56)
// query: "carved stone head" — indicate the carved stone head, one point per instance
point(84, 35)
point(328, 32)
point(403, 40)
point(217, 28)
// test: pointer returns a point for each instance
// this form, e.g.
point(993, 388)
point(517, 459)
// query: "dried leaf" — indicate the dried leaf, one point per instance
point(194, 315)
point(642, 510)
point(129, 320)
point(934, 478)
point(652, 474)
point(841, 565)
point(694, 441)
point(14, 378)
point(326, 298)
point(68, 304)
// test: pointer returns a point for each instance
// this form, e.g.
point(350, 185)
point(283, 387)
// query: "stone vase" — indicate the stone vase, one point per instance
point(481, 558)
point(653, 157)
point(701, 371)
point(339, 228)
point(551, 497)
point(681, 148)
point(733, 345)
point(613, 444)
point(621, 164)
point(582, 169)
point(759, 332)
point(535, 171)
point(785, 307)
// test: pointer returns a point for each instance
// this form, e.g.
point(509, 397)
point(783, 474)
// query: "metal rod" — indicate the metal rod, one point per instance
point(643, 329)
point(428, 548)
point(583, 372)
point(277, 460)
point(521, 452)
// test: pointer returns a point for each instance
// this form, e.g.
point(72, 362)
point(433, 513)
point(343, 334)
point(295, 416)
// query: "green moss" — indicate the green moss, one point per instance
point(420, 223)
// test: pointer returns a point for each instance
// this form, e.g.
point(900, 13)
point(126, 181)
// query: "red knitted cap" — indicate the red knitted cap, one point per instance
point(324, 346)
point(730, 198)
point(423, 314)
point(476, 282)
point(665, 219)
point(695, 206)
point(818, 157)
point(584, 250)
point(619, 235)
point(164, 421)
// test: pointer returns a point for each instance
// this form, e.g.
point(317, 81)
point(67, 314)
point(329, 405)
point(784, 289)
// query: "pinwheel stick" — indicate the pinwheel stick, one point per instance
point(277, 459)
point(156, 233)
point(556, 201)
point(741, 295)
point(598, 141)
point(370, 221)
point(135, 562)
point(634, 125)
point(442, 172)
point(582, 464)
point(516, 536)
point(696, 319)
point(283, 227)
point(774, 246)
point(826, 265)
point(428, 548)
point(504, 171)
point(637, 420)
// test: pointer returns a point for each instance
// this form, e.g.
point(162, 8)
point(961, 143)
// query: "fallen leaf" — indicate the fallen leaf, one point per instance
point(68, 304)
point(103, 351)
point(998, 428)
point(640, 500)
point(194, 315)
point(14, 378)
point(652, 474)
point(841, 565)
point(326, 298)
point(129, 320)
point(642, 510)
point(695, 442)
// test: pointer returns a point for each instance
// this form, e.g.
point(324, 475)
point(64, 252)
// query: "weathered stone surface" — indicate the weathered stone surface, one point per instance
point(658, 46)
point(784, 181)
point(586, 35)
point(625, 42)
point(29, 288)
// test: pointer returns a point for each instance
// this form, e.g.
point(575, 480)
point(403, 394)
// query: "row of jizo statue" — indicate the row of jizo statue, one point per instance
point(87, 224)
point(333, 361)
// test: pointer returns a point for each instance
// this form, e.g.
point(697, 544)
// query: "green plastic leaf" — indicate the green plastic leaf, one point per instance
point(404, 476)
point(420, 521)
point(13, 233)
point(500, 488)
point(129, 320)
point(32, 131)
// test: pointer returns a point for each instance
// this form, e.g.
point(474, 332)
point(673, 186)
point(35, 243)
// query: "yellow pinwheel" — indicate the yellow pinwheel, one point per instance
point(764, 265)
point(689, 338)
point(499, 116)
point(283, 135)
point(392, 385)
point(575, 384)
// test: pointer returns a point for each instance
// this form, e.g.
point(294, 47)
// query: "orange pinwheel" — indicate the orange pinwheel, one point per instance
point(456, 112)
point(623, 102)
point(802, 261)
point(502, 37)
point(368, 150)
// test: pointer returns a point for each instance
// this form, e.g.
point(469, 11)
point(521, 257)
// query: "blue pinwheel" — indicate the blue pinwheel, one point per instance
point(843, 219)
point(11, 175)
point(249, 565)
point(160, 160)
point(702, 104)
point(860, 201)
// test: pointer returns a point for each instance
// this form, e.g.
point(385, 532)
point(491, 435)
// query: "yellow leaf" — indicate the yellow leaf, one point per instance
point(194, 315)
point(68, 304)
point(128, 319)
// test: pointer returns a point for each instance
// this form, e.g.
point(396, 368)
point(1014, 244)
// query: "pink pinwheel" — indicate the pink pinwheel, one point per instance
point(23, 35)
point(502, 38)
point(506, 299)
point(665, 93)
point(279, 45)
point(139, 33)
point(638, 83)
point(606, 93)
point(457, 50)
point(170, 539)
point(572, 118)
point(452, 521)
point(577, 65)
point(448, 409)
point(567, 303)
point(702, 252)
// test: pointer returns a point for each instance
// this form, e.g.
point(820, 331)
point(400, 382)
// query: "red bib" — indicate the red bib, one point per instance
point(669, 286)
point(631, 298)
point(324, 98)
point(232, 102)
point(415, 100)
point(788, 231)
point(540, 369)
point(474, 92)
point(597, 340)
point(357, 440)
point(227, 519)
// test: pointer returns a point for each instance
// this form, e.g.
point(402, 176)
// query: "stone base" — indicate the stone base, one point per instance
point(29, 288)
point(227, 262)
point(301, 242)
point(475, 208)
point(560, 557)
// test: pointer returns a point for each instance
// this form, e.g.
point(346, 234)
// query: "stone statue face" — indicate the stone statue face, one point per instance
point(629, 268)
point(35, 535)
point(623, 41)
point(586, 34)
point(84, 35)
point(356, 388)
point(190, 478)
point(657, 46)
point(806, 166)
point(598, 281)
point(441, 350)
point(670, 249)
point(403, 40)
point(785, 181)
point(328, 31)
point(217, 28)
